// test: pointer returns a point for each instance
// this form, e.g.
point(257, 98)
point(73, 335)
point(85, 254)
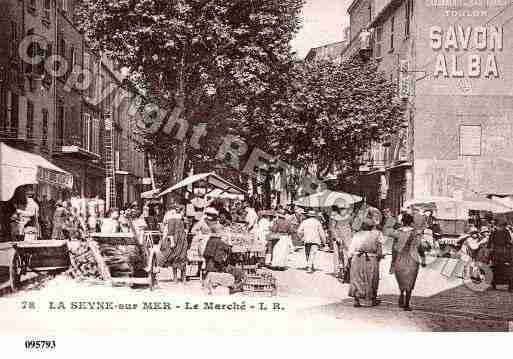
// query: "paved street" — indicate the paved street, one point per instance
point(439, 304)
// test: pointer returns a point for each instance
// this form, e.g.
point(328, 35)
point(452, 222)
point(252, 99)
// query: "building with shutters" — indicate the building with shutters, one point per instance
point(48, 115)
point(450, 63)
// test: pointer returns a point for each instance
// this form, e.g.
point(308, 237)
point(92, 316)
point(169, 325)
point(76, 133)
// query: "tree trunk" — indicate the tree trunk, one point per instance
point(179, 162)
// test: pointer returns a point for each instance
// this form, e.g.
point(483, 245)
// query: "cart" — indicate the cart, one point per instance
point(126, 259)
point(37, 256)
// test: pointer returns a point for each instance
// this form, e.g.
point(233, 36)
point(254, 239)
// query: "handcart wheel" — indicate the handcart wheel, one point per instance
point(152, 274)
point(15, 269)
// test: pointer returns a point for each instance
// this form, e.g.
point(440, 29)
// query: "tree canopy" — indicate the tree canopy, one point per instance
point(331, 113)
point(200, 60)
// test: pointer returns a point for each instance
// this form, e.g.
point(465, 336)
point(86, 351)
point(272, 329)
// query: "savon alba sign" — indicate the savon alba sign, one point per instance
point(466, 51)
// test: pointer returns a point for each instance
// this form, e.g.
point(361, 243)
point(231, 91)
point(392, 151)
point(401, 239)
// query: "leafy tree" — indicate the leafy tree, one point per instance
point(199, 60)
point(331, 113)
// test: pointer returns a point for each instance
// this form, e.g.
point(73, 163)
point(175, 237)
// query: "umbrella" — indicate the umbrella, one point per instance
point(151, 194)
point(327, 199)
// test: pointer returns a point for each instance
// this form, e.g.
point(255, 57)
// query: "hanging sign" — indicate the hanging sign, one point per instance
point(55, 178)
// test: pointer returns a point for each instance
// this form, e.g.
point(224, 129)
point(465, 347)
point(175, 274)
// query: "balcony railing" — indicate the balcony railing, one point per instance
point(8, 133)
point(73, 146)
point(14, 134)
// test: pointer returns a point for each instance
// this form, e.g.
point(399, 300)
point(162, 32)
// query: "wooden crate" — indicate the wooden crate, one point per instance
point(259, 285)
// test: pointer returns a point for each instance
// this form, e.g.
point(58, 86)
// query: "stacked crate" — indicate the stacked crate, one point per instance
point(260, 284)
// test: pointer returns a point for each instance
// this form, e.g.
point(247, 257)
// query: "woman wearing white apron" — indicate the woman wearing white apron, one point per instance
point(263, 232)
point(281, 232)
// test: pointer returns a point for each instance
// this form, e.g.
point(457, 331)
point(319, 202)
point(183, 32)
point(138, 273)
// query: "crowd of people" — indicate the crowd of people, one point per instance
point(195, 232)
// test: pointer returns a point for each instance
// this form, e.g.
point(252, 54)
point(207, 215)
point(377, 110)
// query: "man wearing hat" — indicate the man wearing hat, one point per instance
point(314, 236)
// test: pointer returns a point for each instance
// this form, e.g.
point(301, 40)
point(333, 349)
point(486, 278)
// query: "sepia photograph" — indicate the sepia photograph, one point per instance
point(255, 167)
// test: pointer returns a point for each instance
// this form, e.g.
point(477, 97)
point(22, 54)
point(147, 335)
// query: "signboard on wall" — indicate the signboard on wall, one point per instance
point(406, 85)
point(55, 178)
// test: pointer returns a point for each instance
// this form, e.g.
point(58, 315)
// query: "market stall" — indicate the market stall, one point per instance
point(20, 168)
point(453, 214)
point(210, 181)
point(214, 186)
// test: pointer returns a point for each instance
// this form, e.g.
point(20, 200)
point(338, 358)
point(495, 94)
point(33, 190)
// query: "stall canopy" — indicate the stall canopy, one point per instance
point(206, 180)
point(151, 194)
point(18, 168)
point(452, 208)
point(327, 199)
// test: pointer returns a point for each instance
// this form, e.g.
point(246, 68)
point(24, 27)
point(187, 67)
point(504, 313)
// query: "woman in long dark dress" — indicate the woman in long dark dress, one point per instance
point(407, 256)
point(173, 247)
point(501, 248)
point(365, 252)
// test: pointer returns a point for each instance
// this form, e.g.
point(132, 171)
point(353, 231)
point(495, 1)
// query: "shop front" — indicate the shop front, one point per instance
point(19, 169)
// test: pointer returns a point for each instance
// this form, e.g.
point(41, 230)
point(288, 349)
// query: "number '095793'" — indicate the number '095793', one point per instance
point(39, 344)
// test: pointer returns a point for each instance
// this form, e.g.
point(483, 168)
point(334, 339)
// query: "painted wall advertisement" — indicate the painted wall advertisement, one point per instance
point(464, 104)
point(464, 46)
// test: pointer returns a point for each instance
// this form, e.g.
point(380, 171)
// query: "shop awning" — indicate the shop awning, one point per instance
point(151, 194)
point(452, 208)
point(18, 168)
point(206, 180)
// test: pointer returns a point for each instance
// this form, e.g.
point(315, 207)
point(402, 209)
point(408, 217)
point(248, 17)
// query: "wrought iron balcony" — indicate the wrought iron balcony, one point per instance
point(13, 134)
point(8, 133)
point(73, 147)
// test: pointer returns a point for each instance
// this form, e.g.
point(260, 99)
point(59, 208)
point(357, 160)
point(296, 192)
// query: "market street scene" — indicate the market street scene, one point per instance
point(342, 163)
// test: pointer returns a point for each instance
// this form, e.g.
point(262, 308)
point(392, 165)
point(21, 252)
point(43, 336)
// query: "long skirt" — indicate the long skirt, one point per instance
point(364, 277)
point(502, 261)
point(173, 256)
point(281, 252)
point(406, 269)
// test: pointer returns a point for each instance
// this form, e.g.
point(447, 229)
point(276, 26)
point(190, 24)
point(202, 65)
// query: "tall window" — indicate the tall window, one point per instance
point(392, 24)
point(14, 111)
point(30, 120)
point(407, 14)
point(72, 56)
point(44, 134)
point(87, 131)
point(62, 47)
point(3, 107)
point(379, 42)
point(13, 40)
point(47, 77)
point(59, 133)
point(47, 4)
point(95, 146)
point(32, 51)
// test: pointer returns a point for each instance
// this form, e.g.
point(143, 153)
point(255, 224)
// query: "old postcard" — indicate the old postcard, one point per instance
point(255, 167)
